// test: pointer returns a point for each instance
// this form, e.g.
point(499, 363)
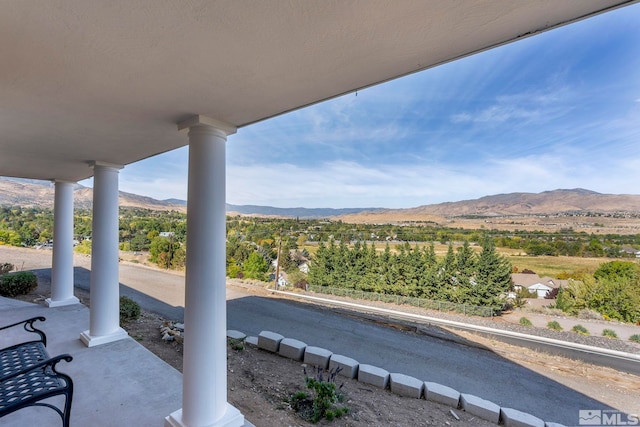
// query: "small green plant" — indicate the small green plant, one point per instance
point(325, 393)
point(579, 329)
point(518, 301)
point(525, 322)
point(297, 400)
point(129, 310)
point(635, 338)
point(554, 325)
point(236, 344)
point(609, 333)
point(14, 284)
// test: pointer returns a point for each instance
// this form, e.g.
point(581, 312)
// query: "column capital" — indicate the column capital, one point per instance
point(200, 120)
point(62, 181)
point(93, 164)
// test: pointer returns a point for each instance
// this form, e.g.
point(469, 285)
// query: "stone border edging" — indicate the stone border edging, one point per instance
point(397, 383)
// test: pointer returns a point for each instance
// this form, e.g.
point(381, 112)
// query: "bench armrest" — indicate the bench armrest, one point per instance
point(28, 326)
point(40, 365)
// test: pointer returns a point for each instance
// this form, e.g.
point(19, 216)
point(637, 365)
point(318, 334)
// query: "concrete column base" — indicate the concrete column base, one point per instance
point(92, 341)
point(232, 418)
point(60, 303)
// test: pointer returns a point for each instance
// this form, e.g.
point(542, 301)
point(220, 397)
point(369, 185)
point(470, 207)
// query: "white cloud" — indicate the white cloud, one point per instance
point(525, 106)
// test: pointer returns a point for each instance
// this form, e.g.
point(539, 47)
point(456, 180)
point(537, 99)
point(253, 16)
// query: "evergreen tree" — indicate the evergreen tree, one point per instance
point(493, 277)
point(320, 267)
point(466, 260)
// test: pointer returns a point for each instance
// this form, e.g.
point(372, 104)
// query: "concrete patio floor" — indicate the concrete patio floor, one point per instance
point(115, 384)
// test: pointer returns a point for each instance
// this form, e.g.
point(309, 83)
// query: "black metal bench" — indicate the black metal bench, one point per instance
point(28, 375)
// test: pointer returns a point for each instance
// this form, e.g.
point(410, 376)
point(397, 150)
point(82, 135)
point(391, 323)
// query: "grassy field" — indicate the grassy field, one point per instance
point(552, 266)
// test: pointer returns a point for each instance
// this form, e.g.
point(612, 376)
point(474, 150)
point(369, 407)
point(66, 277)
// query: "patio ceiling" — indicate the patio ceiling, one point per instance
point(85, 80)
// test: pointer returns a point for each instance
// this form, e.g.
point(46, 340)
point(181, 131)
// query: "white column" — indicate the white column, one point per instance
point(204, 390)
point(104, 313)
point(62, 261)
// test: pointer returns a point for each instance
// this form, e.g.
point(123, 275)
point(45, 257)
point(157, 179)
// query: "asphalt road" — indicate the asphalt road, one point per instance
point(468, 369)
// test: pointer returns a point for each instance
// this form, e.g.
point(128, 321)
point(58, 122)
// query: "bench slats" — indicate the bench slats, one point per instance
point(28, 376)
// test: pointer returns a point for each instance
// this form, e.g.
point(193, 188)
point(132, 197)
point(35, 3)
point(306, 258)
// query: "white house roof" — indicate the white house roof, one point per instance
point(85, 80)
point(529, 280)
point(539, 286)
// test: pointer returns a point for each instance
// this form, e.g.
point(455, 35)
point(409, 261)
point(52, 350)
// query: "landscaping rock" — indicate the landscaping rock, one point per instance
point(269, 341)
point(514, 418)
point(236, 335)
point(373, 375)
point(479, 407)
point(317, 356)
point(292, 349)
point(348, 366)
point(404, 385)
point(252, 341)
point(442, 394)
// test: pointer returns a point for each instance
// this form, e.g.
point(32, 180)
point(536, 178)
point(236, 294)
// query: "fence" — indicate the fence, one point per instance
point(445, 306)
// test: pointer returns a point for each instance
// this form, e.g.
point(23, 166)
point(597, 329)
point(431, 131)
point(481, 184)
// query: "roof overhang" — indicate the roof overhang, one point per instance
point(85, 80)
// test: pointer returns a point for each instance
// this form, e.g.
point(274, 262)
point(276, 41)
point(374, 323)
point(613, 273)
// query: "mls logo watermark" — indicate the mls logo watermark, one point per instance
point(606, 417)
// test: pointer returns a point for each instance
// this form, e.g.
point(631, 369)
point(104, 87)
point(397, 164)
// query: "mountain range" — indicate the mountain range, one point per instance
point(32, 193)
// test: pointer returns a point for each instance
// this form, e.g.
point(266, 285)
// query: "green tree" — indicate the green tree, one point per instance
point(466, 260)
point(162, 251)
point(256, 267)
point(618, 269)
point(493, 277)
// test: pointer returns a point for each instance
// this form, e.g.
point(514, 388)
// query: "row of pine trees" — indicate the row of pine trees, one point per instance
point(463, 276)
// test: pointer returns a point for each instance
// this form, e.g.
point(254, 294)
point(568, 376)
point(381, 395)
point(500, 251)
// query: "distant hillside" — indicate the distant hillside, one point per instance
point(547, 202)
point(293, 212)
point(31, 193)
point(513, 204)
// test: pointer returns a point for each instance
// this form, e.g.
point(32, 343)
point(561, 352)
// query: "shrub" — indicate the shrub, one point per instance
point(609, 333)
point(236, 344)
point(525, 322)
point(635, 338)
point(129, 310)
point(554, 325)
point(552, 294)
point(15, 284)
point(325, 395)
point(5, 268)
point(579, 329)
point(234, 271)
point(84, 247)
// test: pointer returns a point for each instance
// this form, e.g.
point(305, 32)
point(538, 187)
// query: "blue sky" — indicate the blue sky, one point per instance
point(558, 110)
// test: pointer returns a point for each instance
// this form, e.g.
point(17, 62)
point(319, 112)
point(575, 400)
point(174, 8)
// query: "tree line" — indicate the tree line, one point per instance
point(139, 227)
point(462, 276)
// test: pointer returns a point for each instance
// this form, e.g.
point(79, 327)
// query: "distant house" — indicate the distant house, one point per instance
point(630, 251)
point(540, 289)
point(535, 284)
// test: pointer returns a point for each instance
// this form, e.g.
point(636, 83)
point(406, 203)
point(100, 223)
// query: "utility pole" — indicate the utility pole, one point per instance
point(275, 284)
